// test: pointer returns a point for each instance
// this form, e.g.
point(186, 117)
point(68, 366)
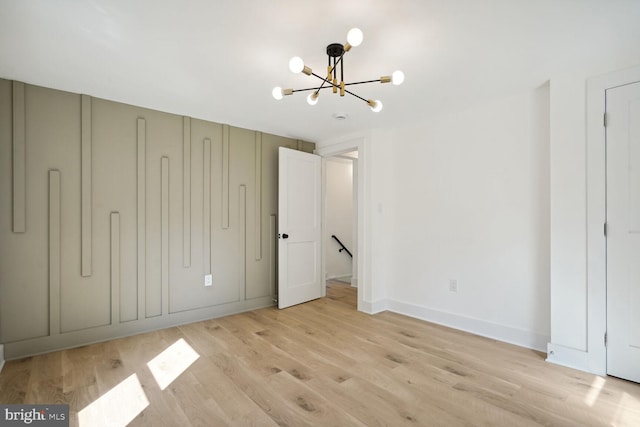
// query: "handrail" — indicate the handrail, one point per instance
point(343, 247)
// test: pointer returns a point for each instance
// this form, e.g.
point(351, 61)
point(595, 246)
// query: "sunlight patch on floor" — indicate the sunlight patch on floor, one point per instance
point(168, 365)
point(117, 407)
point(594, 391)
point(627, 412)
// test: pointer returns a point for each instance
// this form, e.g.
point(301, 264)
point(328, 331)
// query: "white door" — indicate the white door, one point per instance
point(299, 213)
point(623, 231)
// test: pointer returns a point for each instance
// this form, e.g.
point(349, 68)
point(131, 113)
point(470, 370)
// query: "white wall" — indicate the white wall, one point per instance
point(471, 201)
point(338, 216)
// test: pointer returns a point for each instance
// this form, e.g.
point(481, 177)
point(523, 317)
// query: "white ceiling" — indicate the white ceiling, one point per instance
point(219, 60)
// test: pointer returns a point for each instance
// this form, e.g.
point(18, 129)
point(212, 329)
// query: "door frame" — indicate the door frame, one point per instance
point(596, 214)
point(363, 254)
point(354, 218)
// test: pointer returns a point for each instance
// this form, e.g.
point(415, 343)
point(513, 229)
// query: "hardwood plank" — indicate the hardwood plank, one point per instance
point(79, 368)
point(309, 404)
point(110, 370)
point(238, 407)
point(45, 381)
point(254, 386)
point(199, 338)
point(78, 399)
point(14, 380)
point(197, 405)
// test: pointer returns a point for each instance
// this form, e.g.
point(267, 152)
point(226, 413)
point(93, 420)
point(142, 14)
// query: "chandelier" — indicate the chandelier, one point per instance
point(335, 55)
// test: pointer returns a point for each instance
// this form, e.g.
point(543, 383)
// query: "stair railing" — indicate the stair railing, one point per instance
point(342, 246)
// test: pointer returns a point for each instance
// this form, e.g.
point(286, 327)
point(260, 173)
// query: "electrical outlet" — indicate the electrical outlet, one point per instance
point(453, 285)
point(208, 280)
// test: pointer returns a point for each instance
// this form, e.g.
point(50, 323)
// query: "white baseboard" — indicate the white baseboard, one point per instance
point(1, 357)
point(354, 282)
point(374, 307)
point(483, 328)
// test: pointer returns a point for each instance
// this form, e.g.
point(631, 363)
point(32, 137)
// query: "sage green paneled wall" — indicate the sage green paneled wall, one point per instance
point(111, 215)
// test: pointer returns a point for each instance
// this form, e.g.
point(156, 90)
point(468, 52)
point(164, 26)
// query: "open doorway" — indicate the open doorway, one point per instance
point(340, 227)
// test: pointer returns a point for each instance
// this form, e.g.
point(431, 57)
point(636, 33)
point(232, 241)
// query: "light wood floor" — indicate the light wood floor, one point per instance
point(320, 364)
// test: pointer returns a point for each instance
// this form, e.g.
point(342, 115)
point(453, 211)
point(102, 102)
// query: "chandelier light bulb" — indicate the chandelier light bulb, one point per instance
point(354, 37)
point(296, 64)
point(312, 99)
point(376, 107)
point(397, 77)
point(277, 93)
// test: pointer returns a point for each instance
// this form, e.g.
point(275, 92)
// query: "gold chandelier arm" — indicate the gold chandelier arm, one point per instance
point(341, 87)
point(329, 73)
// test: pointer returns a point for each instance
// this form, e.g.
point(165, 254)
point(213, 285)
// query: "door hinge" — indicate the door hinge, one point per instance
point(605, 229)
point(604, 121)
point(605, 339)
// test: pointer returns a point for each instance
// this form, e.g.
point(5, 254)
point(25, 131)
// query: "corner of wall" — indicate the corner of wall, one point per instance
point(373, 307)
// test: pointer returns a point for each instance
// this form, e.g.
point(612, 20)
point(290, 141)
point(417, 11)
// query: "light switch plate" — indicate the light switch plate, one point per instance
point(208, 280)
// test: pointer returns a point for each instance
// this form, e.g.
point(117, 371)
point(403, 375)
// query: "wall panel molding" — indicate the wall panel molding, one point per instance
point(114, 262)
point(273, 253)
point(19, 159)
point(206, 207)
point(258, 196)
point(86, 186)
point(186, 192)
point(242, 236)
point(141, 214)
point(163, 217)
point(164, 237)
point(54, 252)
point(225, 176)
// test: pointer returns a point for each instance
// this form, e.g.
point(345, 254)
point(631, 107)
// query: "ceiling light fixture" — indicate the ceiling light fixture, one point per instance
point(335, 55)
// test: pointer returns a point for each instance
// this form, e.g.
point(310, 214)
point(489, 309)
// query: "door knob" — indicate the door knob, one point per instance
point(285, 236)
